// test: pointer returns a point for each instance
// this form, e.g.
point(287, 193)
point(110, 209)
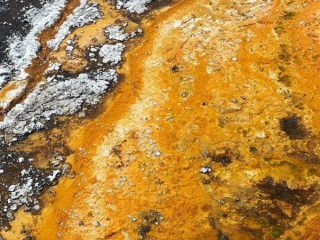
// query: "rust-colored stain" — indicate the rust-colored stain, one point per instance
point(213, 132)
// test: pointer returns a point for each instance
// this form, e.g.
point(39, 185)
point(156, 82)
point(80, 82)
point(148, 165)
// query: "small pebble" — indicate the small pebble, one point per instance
point(205, 170)
point(12, 188)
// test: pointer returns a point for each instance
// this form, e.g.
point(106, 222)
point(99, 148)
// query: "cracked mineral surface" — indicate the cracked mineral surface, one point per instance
point(158, 119)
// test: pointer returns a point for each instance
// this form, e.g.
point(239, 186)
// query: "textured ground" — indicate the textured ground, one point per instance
point(212, 132)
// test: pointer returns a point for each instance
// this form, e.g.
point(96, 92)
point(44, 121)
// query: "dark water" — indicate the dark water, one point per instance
point(12, 19)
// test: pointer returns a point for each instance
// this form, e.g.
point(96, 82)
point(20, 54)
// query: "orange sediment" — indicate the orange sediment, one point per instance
point(202, 90)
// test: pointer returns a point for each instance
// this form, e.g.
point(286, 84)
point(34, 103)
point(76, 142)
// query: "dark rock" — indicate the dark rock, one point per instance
point(293, 127)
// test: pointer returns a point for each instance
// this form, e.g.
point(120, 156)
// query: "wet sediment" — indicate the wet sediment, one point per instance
point(212, 135)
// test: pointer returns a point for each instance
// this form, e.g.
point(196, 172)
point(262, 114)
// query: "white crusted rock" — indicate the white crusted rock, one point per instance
point(111, 54)
point(116, 33)
point(133, 6)
point(5, 73)
point(56, 98)
point(85, 14)
point(23, 49)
